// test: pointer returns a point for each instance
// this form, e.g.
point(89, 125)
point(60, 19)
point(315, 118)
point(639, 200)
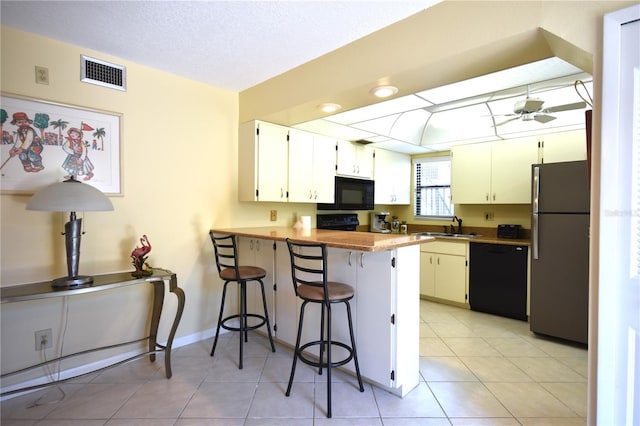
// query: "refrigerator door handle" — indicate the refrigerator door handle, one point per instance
point(535, 190)
point(534, 206)
point(534, 236)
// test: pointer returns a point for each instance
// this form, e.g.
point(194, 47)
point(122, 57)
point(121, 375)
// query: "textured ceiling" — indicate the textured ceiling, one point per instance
point(229, 44)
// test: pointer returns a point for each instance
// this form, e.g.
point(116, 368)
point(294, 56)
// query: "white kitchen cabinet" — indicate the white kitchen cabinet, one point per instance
point(393, 177)
point(564, 146)
point(257, 252)
point(444, 271)
point(312, 167)
point(354, 159)
point(511, 162)
point(262, 162)
point(493, 173)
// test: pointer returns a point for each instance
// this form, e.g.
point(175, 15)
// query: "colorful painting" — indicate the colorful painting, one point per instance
point(46, 142)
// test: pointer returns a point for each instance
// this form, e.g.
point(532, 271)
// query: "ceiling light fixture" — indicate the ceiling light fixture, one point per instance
point(384, 91)
point(329, 107)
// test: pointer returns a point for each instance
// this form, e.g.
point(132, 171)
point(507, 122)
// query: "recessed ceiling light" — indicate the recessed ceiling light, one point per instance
point(329, 107)
point(384, 91)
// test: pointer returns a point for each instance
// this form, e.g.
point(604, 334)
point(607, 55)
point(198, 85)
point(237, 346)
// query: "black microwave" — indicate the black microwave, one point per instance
point(351, 194)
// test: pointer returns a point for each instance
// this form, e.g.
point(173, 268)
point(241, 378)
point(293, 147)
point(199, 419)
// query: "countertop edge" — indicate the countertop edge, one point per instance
point(353, 240)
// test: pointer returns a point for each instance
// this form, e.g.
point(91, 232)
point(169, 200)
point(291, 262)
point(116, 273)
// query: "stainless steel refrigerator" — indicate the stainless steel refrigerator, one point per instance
point(559, 300)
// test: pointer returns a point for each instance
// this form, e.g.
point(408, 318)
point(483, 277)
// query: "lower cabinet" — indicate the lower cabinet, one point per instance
point(385, 311)
point(444, 270)
point(253, 251)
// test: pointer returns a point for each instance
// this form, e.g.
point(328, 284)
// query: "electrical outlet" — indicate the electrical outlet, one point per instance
point(488, 216)
point(42, 75)
point(44, 339)
point(274, 215)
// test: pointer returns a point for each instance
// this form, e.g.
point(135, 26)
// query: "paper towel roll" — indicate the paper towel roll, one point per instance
point(306, 222)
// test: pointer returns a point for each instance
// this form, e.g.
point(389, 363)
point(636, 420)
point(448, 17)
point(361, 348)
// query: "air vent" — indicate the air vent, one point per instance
point(103, 73)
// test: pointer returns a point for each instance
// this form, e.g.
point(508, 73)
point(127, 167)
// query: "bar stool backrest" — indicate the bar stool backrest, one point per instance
point(308, 265)
point(226, 252)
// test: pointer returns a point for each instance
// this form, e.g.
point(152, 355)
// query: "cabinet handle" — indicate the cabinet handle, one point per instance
point(438, 262)
point(315, 195)
point(431, 260)
point(487, 197)
point(251, 245)
point(310, 194)
point(257, 245)
point(281, 193)
point(350, 253)
point(494, 196)
point(362, 260)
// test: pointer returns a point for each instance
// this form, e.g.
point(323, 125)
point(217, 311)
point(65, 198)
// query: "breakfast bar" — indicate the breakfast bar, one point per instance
point(384, 270)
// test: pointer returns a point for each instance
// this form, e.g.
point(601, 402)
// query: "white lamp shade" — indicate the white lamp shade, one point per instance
point(69, 196)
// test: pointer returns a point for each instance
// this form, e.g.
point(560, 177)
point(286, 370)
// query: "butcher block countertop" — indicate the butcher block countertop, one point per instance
point(350, 240)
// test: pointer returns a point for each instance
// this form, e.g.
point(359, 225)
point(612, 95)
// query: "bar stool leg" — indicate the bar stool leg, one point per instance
point(353, 347)
point(328, 360)
point(322, 337)
point(296, 350)
point(266, 316)
point(243, 317)
point(224, 295)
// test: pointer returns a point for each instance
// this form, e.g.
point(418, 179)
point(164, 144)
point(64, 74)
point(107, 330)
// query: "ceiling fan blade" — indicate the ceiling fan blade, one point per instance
point(566, 107)
point(543, 118)
point(505, 122)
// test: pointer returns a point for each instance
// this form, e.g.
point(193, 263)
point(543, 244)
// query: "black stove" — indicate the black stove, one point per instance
point(337, 221)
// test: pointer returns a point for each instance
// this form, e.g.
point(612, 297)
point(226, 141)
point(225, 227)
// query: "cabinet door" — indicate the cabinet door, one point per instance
point(565, 146)
point(301, 166)
point(354, 160)
point(287, 303)
point(273, 154)
point(471, 174)
point(451, 274)
point(259, 253)
point(511, 170)
point(427, 274)
point(392, 171)
point(376, 304)
point(324, 169)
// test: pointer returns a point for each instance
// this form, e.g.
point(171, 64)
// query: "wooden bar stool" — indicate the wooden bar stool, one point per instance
point(230, 270)
point(309, 275)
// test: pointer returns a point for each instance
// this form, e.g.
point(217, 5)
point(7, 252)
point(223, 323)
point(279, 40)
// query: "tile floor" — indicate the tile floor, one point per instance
point(476, 369)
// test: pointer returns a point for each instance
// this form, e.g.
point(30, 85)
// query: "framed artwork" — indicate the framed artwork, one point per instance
point(45, 142)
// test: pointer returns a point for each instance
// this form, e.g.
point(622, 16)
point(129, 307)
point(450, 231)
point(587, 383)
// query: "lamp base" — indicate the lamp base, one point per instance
point(66, 282)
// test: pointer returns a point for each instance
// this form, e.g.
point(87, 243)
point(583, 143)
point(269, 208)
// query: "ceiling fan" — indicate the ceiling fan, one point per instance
point(531, 109)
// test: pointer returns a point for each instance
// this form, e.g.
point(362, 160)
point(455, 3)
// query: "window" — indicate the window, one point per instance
point(432, 177)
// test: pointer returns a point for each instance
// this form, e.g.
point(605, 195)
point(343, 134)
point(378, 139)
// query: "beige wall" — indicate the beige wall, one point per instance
point(180, 141)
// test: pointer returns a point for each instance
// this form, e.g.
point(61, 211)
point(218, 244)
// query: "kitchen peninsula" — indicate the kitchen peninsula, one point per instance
point(384, 270)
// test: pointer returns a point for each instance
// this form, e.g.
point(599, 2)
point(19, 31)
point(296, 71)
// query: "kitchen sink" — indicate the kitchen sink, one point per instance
point(445, 235)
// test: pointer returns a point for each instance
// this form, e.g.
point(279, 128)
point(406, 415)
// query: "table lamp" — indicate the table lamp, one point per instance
point(70, 196)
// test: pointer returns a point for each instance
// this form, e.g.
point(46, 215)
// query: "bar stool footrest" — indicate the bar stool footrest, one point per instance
point(240, 328)
point(320, 364)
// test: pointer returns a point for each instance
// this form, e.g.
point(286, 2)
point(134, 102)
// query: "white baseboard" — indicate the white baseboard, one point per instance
point(104, 363)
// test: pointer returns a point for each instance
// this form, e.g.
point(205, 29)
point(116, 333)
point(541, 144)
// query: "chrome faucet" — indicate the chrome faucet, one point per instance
point(456, 219)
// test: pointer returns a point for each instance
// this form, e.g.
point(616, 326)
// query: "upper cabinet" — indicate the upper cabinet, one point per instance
point(393, 177)
point(312, 167)
point(262, 162)
point(565, 146)
point(354, 159)
point(493, 173)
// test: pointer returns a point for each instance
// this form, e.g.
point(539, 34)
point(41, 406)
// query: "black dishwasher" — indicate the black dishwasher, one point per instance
point(498, 279)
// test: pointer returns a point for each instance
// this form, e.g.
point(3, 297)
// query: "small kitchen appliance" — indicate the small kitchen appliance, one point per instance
point(509, 231)
point(378, 222)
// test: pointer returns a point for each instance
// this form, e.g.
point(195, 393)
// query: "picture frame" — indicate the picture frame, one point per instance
point(45, 142)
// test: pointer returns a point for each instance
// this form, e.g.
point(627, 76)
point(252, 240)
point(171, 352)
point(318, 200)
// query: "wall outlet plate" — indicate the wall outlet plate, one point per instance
point(47, 335)
point(274, 215)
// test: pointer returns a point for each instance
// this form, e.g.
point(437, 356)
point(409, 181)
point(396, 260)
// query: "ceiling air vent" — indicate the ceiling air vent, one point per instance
point(103, 73)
